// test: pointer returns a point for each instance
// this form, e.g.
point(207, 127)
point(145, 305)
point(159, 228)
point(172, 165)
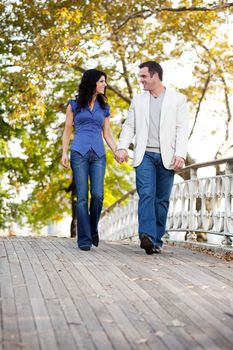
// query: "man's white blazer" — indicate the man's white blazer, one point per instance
point(173, 132)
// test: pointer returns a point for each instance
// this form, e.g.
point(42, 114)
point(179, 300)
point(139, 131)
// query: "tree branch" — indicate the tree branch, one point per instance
point(126, 77)
point(149, 12)
point(119, 93)
point(200, 101)
point(227, 104)
point(195, 8)
point(229, 117)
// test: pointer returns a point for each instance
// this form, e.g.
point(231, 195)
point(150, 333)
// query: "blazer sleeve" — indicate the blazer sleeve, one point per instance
point(128, 129)
point(182, 121)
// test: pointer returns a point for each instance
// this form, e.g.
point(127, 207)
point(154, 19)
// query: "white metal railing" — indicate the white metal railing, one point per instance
point(199, 204)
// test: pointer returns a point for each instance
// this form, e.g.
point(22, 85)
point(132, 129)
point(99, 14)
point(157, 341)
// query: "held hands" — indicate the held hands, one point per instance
point(177, 163)
point(121, 155)
point(65, 160)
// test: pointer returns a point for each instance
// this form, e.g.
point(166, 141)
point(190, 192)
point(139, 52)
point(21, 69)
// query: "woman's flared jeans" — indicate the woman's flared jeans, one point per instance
point(86, 167)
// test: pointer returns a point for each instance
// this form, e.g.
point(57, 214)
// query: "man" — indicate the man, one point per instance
point(158, 119)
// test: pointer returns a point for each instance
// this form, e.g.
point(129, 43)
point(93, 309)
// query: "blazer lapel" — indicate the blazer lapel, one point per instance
point(165, 104)
point(146, 107)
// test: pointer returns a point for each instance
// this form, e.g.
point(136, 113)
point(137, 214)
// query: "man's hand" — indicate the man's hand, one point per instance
point(177, 163)
point(121, 155)
point(65, 160)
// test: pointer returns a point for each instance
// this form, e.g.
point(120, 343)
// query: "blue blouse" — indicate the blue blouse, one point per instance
point(88, 128)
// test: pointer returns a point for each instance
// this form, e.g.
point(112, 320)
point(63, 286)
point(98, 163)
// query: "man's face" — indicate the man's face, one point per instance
point(147, 81)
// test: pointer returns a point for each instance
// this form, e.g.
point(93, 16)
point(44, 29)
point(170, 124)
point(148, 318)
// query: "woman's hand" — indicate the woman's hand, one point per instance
point(65, 160)
point(121, 155)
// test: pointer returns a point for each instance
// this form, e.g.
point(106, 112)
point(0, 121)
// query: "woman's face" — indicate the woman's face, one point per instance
point(101, 85)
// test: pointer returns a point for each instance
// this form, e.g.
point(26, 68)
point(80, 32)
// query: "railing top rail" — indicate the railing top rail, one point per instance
point(206, 164)
point(187, 168)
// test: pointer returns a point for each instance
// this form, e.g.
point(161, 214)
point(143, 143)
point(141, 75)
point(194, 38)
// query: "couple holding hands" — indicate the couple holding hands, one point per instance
point(157, 119)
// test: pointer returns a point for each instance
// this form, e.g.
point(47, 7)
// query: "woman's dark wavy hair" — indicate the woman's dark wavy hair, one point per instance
point(87, 88)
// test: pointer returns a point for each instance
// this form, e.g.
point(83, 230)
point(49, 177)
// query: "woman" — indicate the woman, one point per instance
point(89, 114)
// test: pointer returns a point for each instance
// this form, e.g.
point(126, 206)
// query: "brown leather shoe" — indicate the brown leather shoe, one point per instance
point(147, 244)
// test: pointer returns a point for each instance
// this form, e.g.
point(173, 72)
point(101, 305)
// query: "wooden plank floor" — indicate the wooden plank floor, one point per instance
point(54, 296)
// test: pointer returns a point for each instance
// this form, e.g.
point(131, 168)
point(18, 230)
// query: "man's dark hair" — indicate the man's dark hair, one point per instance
point(153, 68)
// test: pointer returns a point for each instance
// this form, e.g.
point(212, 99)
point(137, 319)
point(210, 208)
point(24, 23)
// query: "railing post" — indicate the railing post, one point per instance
point(227, 241)
point(192, 236)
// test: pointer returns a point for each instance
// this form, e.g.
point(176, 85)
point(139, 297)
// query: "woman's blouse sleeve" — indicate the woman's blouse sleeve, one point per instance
point(73, 105)
point(107, 111)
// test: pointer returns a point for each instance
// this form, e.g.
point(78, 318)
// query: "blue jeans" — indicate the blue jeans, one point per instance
point(154, 185)
point(86, 167)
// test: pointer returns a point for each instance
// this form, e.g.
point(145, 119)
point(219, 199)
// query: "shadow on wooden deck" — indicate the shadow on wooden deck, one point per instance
point(54, 296)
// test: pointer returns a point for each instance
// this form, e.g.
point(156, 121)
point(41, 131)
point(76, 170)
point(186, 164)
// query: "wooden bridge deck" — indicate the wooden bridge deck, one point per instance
point(54, 296)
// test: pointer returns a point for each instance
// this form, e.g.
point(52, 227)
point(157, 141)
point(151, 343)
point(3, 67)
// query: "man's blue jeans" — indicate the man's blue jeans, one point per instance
point(154, 185)
point(89, 166)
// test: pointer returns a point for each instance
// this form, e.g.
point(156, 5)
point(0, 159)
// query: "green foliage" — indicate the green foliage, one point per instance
point(45, 46)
